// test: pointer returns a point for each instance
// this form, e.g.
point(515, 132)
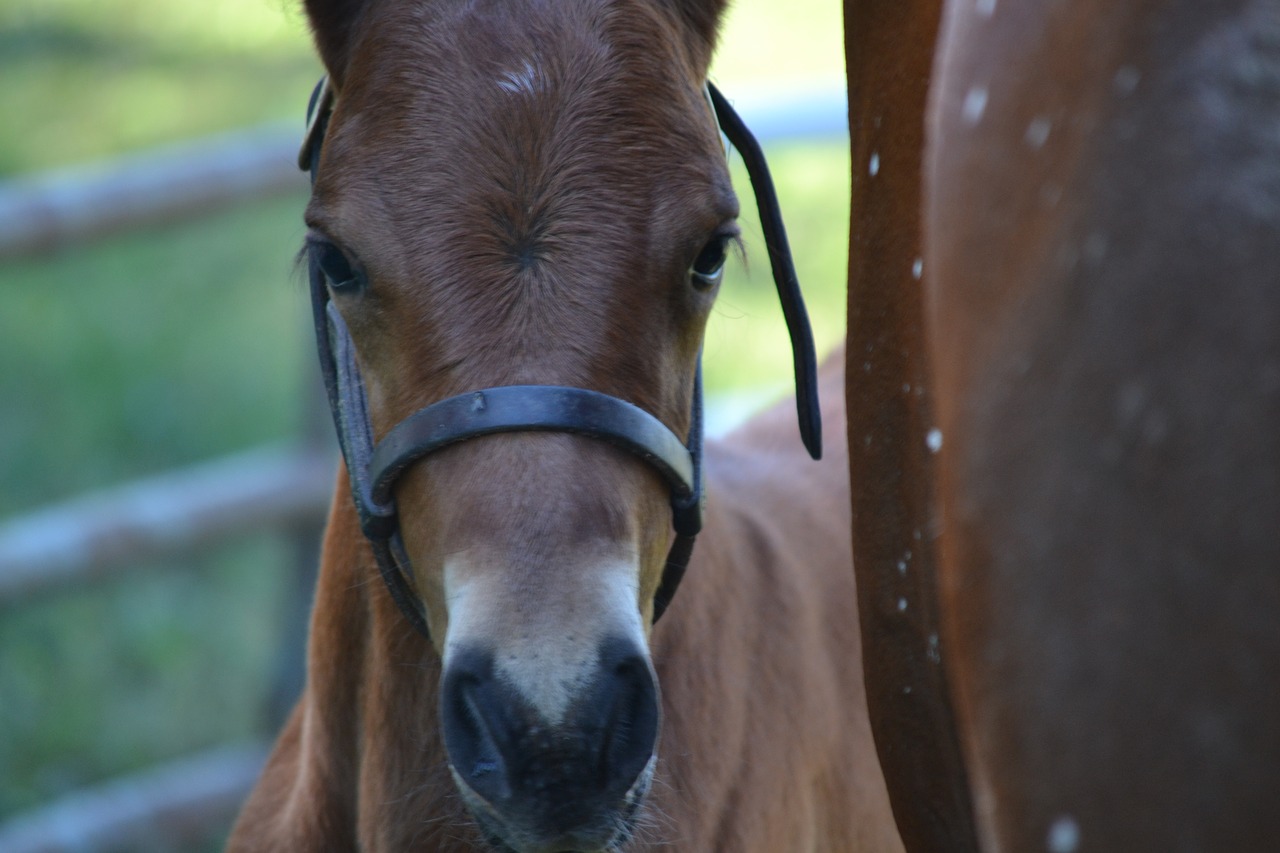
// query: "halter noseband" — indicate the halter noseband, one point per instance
point(373, 469)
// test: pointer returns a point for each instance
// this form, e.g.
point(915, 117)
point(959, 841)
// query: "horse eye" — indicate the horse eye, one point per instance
point(709, 265)
point(337, 269)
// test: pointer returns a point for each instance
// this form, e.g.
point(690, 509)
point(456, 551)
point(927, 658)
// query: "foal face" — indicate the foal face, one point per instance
point(531, 196)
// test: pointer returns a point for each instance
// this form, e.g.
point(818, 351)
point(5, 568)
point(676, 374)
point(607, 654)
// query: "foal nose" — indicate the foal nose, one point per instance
point(553, 779)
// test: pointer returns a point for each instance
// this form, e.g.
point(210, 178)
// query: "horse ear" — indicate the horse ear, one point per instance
point(704, 16)
point(333, 23)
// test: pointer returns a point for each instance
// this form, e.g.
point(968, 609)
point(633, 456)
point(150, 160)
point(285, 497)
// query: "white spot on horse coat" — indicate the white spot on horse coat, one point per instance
point(985, 8)
point(1095, 247)
point(975, 104)
point(902, 604)
point(934, 439)
point(917, 269)
point(1064, 835)
point(1038, 131)
point(544, 658)
point(526, 80)
point(874, 166)
point(1126, 80)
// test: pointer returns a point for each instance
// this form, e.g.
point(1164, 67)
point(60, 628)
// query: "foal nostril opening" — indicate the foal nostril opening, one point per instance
point(471, 737)
point(487, 759)
point(631, 724)
point(559, 776)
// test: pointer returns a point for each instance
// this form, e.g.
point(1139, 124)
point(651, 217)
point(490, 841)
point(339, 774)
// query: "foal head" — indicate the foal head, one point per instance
point(529, 194)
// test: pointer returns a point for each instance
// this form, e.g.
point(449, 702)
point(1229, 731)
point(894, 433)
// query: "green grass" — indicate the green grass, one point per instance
point(179, 344)
point(88, 78)
point(157, 349)
point(125, 359)
point(747, 344)
point(120, 676)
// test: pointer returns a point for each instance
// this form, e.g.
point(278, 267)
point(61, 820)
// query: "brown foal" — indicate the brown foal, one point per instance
point(537, 195)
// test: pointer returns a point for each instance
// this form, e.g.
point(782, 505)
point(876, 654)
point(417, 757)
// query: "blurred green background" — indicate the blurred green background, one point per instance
point(168, 346)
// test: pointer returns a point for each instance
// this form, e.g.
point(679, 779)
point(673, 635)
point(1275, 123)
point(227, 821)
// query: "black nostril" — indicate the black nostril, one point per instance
point(553, 777)
point(631, 721)
point(473, 738)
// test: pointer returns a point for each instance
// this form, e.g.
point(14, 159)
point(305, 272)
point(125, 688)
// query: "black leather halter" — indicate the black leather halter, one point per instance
point(374, 468)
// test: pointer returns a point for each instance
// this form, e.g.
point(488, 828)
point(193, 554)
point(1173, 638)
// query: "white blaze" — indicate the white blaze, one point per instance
point(546, 652)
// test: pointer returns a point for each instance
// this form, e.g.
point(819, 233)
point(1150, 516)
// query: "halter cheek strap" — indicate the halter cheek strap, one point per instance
point(374, 469)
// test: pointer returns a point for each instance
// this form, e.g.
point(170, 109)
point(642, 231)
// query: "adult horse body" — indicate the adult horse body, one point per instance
point(536, 196)
point(1094, 462)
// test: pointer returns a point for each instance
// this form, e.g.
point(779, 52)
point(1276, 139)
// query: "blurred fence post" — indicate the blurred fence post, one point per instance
point(168, 807)
point(107, 534)
point(46, 211)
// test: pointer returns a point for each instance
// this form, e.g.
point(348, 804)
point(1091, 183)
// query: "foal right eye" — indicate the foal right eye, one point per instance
point(708, 267)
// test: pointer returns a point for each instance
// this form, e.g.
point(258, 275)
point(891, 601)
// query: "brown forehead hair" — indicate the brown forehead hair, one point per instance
point(530, 184)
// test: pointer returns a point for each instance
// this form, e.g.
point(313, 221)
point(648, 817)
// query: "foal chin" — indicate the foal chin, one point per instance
point(549, 703)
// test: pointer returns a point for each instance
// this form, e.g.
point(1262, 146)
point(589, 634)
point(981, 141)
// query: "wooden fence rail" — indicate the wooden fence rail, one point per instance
point(105, 533)
point(65, 206)
point(172, 806)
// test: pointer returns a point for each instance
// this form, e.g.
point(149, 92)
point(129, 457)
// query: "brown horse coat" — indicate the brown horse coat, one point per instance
point(1098, 216)
point(1103, 211)
point(889, 55)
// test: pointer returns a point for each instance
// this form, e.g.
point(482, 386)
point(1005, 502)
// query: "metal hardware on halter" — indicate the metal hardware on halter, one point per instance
point(374, 469)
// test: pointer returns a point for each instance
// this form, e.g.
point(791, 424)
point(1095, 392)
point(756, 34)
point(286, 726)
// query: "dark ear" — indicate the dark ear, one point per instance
point(334, 23)
point(703, 16)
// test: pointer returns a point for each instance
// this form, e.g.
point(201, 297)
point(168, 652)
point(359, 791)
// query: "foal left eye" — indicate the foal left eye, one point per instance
point(708, 267)
point(342, 275)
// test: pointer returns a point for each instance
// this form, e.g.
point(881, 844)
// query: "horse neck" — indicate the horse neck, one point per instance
point(369, 724)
